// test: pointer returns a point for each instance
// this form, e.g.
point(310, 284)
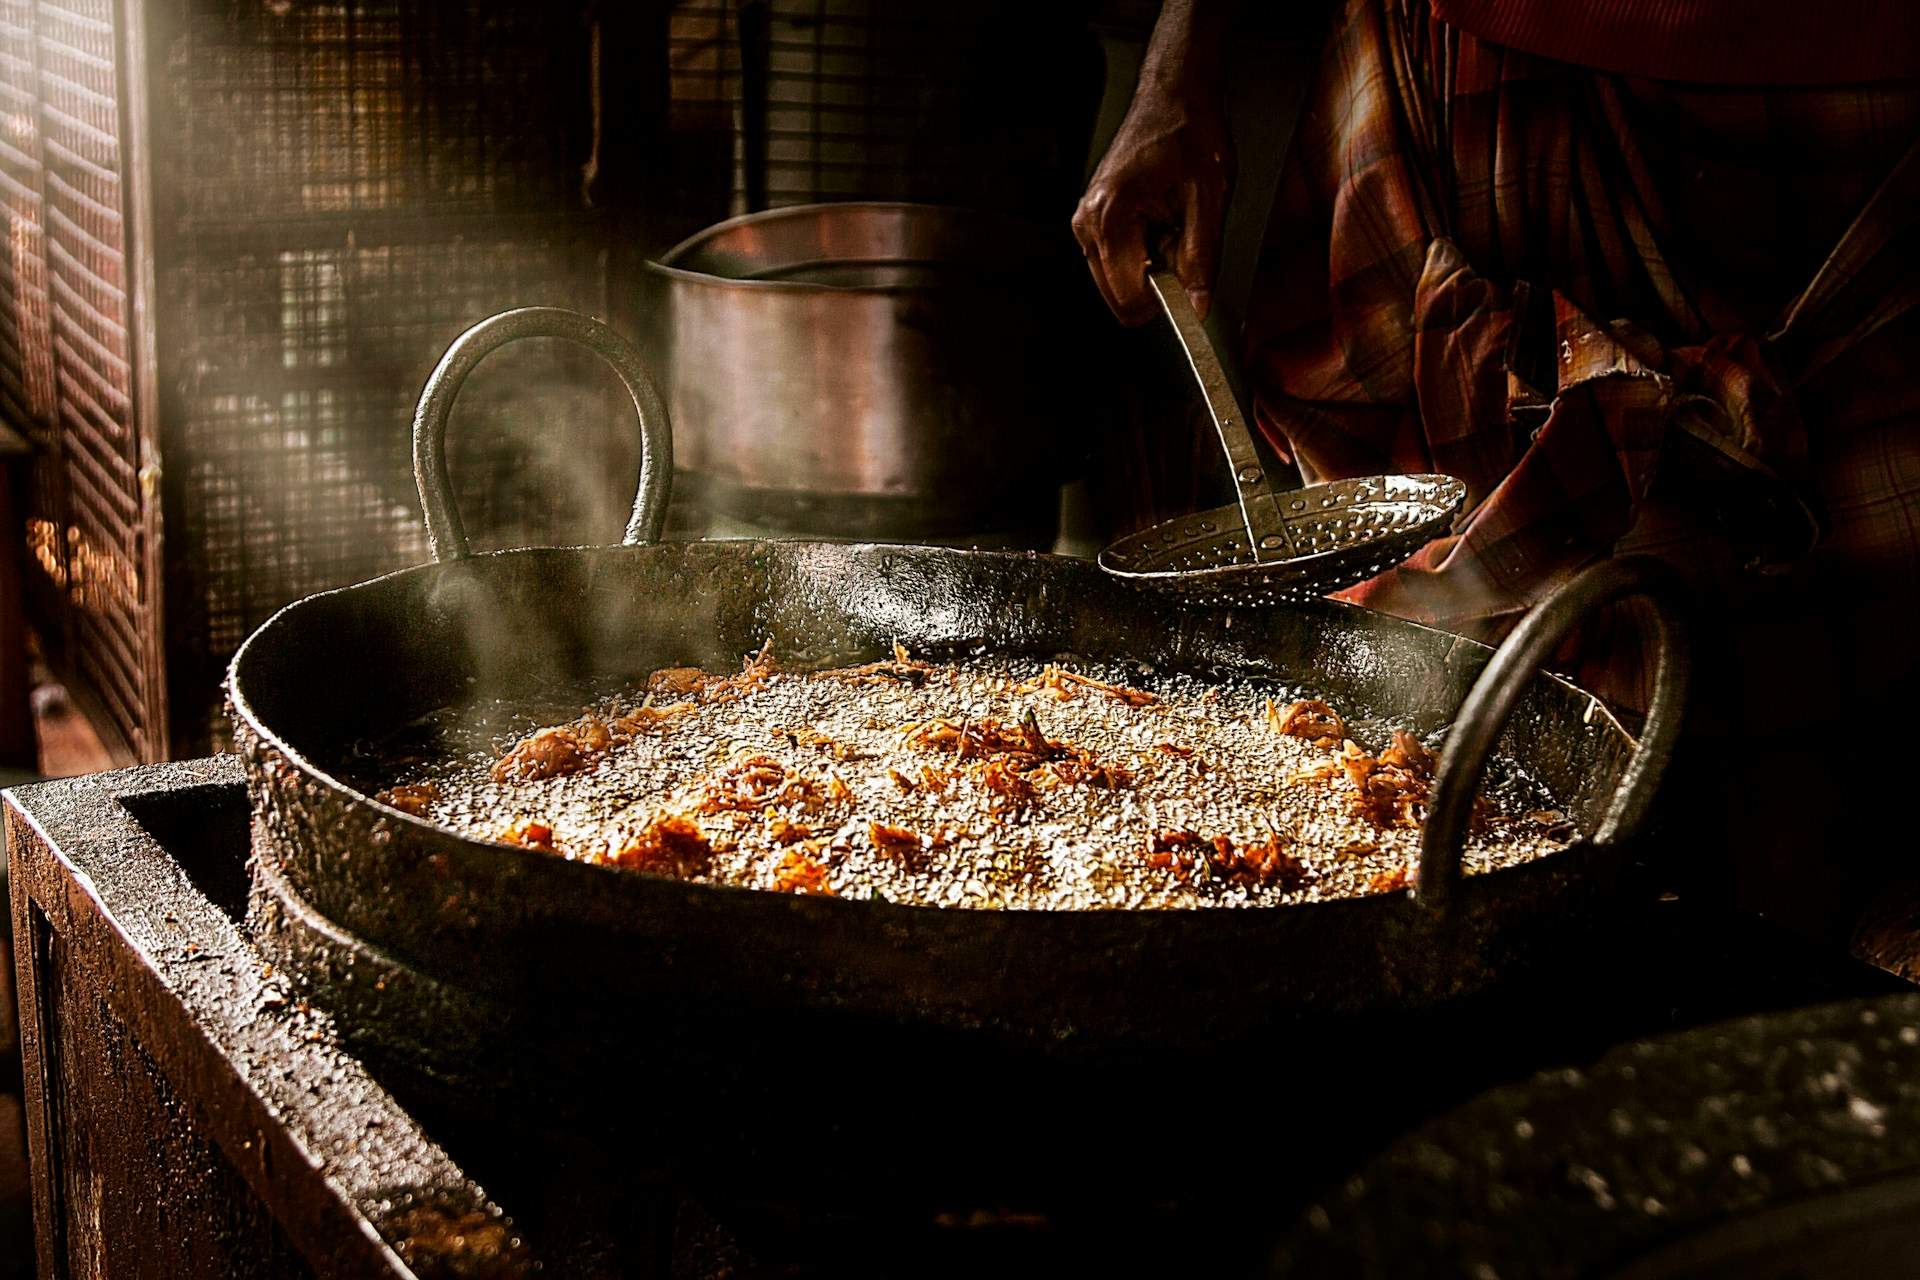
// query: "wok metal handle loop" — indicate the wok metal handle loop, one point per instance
point(1491, 701)
point(446, 532)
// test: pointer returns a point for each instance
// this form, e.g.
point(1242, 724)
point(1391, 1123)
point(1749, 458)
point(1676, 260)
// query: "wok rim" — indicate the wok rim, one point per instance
point(242, 708)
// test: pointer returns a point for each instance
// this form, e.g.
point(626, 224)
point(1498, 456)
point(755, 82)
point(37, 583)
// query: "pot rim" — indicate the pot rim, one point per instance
point(666, 265)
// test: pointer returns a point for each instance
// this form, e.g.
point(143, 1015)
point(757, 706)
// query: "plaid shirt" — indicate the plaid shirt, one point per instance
point(1631, 315)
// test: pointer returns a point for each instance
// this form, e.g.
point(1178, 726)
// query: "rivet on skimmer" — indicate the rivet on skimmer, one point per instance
point(1249, 475)
point(1271, 541)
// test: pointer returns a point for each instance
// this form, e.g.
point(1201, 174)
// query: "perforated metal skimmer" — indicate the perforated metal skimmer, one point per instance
point(1275, 546)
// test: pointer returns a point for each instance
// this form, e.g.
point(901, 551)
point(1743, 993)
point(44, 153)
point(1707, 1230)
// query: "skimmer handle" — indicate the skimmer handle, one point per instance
point(446, 532)
point(1259, 511)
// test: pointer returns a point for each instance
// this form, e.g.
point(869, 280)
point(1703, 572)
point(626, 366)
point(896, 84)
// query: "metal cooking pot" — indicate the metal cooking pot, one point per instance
point(872, 369)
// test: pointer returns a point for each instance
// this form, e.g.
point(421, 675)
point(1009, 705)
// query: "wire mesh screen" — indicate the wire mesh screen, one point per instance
point(350, 186)
point(976, 104)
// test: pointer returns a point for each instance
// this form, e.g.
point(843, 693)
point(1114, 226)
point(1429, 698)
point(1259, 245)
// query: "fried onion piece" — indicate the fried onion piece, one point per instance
point(1308, 718)
point(1391, 881)
point(1265, 862)
point(1179, 851)
point(556, 751)
point(797, 873)
point(669, 845)
point(678, 680)
point(1009, 787)
point(1063, 684)
point(1016, 759)
point(752, 783)
point(1391, 790)
point(901, 668)
point(1194, 857)
point(972, 739)
point(529, 833)
point(710, 687)
point(412, 797)
point(1083, 770)
point(1409, 753)
point(903, 842)
point(783, 832)
point(647, 718)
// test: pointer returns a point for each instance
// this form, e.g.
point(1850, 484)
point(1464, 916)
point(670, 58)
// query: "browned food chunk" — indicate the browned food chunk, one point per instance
point(1267, 862)
point(711, 687)
point(678, 680)
point(1017, 760)
point(1083, 770)
point(1194, 857)
point(1308, 718)
point(1006, 784)
point(783, 832)
point(755, 671)
point(1179, 751)
point(893, 841)
point(1409, 753)
point(797, 873)
point(1391, 790)
point(967, 739)
point(648, 718)
point(556, 751)
point(1391, 881)
point(669, 845)
point(1553, 823)
point(530, 833)
point(412, 797)
point(1178, 850)
point(900, 842)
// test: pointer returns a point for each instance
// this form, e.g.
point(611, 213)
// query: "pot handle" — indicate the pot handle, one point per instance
point(446, 532)
point(1484, 712)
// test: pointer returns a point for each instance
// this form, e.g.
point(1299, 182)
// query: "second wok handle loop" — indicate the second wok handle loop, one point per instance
point(446, 532)
point(1484, 713)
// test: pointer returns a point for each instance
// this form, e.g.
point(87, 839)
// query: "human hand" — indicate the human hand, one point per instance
point(1160, 190)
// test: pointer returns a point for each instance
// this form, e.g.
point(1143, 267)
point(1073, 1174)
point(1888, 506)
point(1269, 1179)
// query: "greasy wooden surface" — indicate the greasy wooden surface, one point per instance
point(183, 1115)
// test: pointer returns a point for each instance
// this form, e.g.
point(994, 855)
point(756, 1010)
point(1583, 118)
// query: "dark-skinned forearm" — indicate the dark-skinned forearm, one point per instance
point(1188, 48)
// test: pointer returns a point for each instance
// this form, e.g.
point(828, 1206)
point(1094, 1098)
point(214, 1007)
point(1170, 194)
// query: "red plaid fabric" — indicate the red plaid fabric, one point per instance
point(1633, 316)
point(1535, 277)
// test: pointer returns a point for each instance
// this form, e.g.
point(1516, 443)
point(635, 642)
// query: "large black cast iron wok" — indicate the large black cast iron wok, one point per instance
point(450, 944)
